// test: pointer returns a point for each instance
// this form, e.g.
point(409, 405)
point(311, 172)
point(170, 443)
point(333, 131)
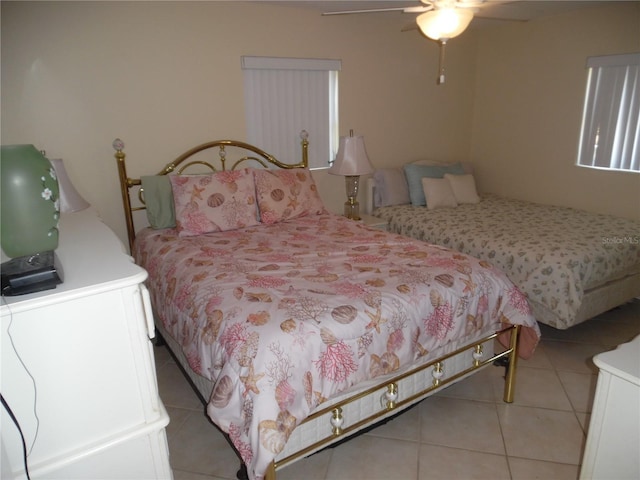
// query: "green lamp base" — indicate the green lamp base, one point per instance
point(30, 206)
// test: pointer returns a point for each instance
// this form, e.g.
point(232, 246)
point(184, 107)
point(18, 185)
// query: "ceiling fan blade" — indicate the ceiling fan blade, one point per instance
point(420, 9)
point(512, 10)
point(469, 3)
point(425, 7)
point(371, 10)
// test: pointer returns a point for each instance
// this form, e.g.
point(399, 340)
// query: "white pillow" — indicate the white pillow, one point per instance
point(464, 188)
point(438, 193)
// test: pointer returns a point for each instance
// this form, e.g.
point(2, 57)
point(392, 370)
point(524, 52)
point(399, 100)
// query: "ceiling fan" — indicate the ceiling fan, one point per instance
point(439, 20)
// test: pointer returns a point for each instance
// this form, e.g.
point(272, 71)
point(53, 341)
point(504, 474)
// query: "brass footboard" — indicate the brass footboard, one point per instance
point(394, 402)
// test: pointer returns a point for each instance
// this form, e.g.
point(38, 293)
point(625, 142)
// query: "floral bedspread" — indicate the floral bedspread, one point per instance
point(553, 254)
point(284, 316)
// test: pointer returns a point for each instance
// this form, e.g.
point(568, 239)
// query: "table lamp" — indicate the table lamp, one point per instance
point(351, 162)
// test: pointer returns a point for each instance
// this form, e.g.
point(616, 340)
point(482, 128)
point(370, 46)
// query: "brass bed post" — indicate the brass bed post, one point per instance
point(270, 474)
point(304, 136)
point(125, 184)
point(510, 374)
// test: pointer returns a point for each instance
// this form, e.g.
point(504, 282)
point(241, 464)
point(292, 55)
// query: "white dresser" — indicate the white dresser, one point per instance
point(78, 368)
point(612, 450)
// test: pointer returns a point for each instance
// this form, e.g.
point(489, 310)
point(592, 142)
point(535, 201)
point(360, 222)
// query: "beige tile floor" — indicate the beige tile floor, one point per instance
point(464, 432)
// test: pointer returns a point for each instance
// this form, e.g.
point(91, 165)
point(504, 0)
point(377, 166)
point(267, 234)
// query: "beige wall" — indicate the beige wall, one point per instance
point(166, 76)
point(530, 87)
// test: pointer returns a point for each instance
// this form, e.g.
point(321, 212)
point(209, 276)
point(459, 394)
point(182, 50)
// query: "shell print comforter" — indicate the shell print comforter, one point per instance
point(284, 316)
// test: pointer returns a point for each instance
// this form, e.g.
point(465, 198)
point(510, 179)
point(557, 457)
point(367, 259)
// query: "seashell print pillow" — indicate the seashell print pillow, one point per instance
point(214, 203)
point(285, 194)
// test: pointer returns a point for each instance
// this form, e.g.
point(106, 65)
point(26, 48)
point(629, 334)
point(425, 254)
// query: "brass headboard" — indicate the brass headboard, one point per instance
point(246, 151)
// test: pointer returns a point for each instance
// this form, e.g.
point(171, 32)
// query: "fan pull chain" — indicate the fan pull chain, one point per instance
point(443, 44)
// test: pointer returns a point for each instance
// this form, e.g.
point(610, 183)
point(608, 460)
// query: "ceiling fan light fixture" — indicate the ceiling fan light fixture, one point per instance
point(444, 23)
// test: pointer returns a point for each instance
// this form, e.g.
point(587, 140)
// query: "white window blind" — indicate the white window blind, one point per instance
point(610, 132)
point(284, 96)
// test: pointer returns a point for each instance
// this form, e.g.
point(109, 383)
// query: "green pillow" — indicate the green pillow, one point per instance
point(158, 198)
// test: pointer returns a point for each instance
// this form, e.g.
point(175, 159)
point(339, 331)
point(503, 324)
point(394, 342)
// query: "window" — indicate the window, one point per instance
point(284, 96)
point(610, 133)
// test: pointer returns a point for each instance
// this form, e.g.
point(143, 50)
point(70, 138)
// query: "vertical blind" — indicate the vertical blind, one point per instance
point(284, 96)
point(610, 133)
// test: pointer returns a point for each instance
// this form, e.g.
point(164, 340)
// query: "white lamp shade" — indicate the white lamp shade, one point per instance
point(444, 23)
point(352, 158)
point(70, 199)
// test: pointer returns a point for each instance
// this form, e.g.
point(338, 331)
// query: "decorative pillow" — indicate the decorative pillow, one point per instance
point(464, 188)
point(438, 193)
point(285, 194)
point(415, 173)
point(391, 187)
point(214, 203)
point(158, 198)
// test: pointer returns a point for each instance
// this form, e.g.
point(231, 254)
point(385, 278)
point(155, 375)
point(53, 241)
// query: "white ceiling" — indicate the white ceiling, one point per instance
point(495, 9)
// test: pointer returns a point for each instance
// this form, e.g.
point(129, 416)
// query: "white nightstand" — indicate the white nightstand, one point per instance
point(374, 222)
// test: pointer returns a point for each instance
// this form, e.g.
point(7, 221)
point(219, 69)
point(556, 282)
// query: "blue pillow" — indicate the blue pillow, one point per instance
point(415, 172)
